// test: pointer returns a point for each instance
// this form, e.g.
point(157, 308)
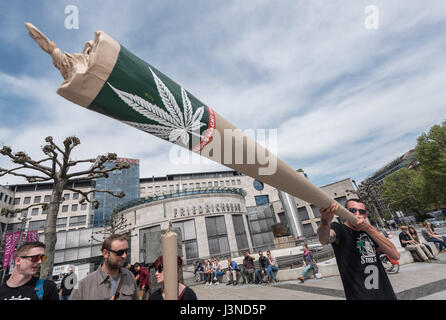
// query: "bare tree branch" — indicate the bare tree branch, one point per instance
point(95, 202)
point(98, 174)
point(22, 158)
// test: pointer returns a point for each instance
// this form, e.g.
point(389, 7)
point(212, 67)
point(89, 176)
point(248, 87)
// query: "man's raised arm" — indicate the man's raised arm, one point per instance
point(325, 233)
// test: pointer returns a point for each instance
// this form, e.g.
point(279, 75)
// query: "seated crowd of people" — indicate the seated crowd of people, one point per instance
point(411, 241)
point(212, 271)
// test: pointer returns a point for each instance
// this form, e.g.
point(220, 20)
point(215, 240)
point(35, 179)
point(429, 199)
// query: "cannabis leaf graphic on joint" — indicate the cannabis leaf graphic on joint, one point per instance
point(172, 125)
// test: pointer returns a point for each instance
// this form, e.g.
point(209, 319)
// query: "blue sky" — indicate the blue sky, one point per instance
point(345, 100)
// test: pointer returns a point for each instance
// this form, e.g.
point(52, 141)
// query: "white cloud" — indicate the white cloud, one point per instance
point(310, 69)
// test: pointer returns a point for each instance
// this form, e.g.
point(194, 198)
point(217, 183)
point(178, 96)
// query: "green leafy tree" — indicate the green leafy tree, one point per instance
point(405, 190)
point(431, 154)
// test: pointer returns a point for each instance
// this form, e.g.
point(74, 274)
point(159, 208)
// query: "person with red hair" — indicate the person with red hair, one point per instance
point(184, 292)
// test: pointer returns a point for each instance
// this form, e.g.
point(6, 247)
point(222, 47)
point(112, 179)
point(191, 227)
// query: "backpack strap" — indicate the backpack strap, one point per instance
point(39, 288)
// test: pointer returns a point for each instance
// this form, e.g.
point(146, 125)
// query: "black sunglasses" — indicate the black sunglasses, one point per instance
point(119, 252)
point(353, 210)
point(159, 268)
point(36, 258)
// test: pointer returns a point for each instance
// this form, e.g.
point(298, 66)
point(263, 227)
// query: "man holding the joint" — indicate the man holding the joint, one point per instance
point(356, 247)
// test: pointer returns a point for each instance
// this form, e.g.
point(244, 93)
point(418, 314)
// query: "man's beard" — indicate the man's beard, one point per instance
point(113, 266)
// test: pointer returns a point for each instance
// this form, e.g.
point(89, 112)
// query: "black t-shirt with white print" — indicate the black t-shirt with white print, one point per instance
point(361, 270)
point(28, 291)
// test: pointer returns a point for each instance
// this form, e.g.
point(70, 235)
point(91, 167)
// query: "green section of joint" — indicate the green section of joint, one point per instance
point(132, 75)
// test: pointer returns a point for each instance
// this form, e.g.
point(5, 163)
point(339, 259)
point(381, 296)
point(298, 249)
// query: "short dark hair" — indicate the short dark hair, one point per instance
point(109, 240)
point(136, 265)
point(354, 200)
point(28, 246)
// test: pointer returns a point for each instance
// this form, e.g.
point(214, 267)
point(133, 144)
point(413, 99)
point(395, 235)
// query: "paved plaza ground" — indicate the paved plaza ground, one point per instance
point(414, 281)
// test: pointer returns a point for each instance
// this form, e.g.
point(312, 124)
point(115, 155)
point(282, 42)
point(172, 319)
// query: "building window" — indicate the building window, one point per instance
point(14, 227)
point(197, 185)
point(78, 221)
point(84, 206)
point(261, 220)
point(157, 188)
point(209, 184)
point(66, 196)
point(261, 200)
point(239, 182)
point(74, 207)
point(75, 196)
point(217, 236)
point(36, 225)
point(215, 183)
point(303, 213)
point(35, 211)
point(16, 201)
point(240, 233)
point(315, 210)
point(27, 200)
point(233, 182)
point(37, 199)
point(146, 244)
point(47, 198)
point(308, 230)
point(65, 208)
point(149, 189)
point(189, 238)
point(61, 223)
point(24, 213)
point(227, 183)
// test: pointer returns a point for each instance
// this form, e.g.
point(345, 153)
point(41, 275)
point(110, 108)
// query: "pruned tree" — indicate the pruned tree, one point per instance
point(117, 223)
point(56, 167)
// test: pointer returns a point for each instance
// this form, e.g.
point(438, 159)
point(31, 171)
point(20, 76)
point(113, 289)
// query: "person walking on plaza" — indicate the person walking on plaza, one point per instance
point(22, 285)
point(273, 267)
point(430, 236)
point(261, 272)
point(411, 245)
point(308, 263)
point(144, 283)
point(248, 269)
point(231, 274)
point(355, 246)
point(184, 292)
point(111, 281)
point(66, 285)
point(414, 234)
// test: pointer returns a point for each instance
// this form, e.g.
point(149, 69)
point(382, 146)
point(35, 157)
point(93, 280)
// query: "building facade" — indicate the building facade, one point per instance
point(218, 213)
point(407, 160)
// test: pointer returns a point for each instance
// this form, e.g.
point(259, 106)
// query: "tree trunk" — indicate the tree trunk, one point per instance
point(46, 269)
